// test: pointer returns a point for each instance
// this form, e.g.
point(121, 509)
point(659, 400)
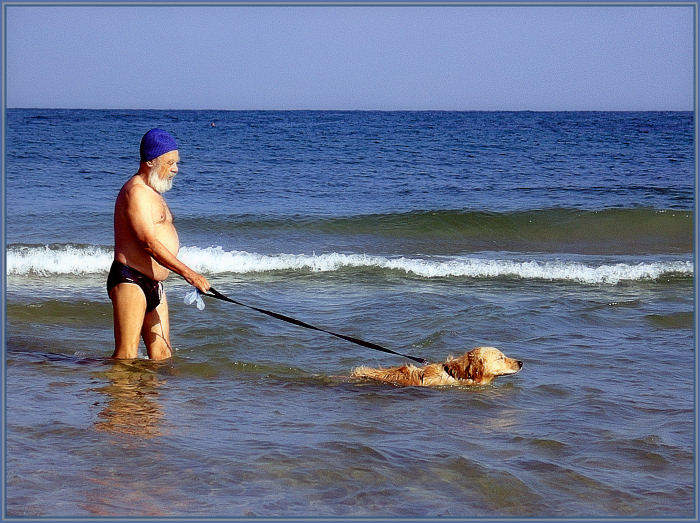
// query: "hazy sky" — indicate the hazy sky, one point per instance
point(463, 57)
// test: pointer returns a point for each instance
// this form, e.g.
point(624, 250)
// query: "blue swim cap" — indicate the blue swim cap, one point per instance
point(156, 142)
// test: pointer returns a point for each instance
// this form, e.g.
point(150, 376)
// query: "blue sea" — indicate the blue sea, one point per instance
point(565, 239)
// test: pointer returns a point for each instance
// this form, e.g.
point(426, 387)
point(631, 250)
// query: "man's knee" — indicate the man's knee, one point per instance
point(156, 333)
point(157, 345)
point(159, 351)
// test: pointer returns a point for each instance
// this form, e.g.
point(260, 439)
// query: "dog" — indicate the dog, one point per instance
point(479, 366)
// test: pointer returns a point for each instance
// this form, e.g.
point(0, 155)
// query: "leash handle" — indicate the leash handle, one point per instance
point(213, 293)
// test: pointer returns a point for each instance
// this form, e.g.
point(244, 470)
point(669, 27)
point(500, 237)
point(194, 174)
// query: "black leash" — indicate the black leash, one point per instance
point(216, 294)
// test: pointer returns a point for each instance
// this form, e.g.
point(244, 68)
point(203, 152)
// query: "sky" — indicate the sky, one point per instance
point(361, 57)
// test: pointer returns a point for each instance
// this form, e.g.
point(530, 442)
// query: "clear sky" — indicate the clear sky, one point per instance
point(466, 57)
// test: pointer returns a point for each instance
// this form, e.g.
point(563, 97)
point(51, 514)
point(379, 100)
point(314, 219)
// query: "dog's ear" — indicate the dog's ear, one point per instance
point(457, 367)
point(467, 367)
point(476, 369)
point(475, 372)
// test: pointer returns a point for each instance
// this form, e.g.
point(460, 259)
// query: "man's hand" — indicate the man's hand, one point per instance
point(197, 280)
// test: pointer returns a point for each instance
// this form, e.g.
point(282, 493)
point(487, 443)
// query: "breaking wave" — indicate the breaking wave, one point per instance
point(56, 260)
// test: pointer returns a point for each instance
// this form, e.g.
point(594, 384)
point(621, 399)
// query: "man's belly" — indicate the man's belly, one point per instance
point(167, 235)
point(129, 252)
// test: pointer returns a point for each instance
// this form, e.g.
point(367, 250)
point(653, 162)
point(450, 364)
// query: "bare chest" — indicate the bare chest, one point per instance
point(160, 213)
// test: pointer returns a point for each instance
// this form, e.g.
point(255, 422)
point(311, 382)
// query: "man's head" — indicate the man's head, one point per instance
point(159, 153)
point(155, 143)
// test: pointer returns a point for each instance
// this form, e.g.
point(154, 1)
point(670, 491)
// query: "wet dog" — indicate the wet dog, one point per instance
point(479, 366)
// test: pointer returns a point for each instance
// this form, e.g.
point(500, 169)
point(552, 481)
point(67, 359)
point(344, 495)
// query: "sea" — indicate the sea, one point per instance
point(565, 239)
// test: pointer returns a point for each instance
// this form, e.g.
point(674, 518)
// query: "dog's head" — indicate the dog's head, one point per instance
point(481, 365)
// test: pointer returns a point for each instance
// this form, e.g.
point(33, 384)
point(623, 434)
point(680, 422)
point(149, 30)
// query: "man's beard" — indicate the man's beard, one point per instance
point(157, 183)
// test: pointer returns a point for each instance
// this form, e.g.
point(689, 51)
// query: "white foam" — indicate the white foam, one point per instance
point(66, 259)
point(69, 259)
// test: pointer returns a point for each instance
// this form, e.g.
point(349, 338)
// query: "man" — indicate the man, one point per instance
point(145, 251)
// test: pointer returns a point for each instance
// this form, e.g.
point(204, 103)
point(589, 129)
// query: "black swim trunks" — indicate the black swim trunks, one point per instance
point(120, 273)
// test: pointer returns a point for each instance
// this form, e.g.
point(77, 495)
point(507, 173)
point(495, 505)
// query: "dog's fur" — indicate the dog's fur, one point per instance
point(479, 366)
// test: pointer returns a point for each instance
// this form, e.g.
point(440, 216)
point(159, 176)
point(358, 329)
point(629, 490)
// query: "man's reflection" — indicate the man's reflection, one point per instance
point(132, 399)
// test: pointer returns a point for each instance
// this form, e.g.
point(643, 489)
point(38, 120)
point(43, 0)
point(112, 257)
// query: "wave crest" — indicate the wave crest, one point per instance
point(216, 260)
point(80, 260)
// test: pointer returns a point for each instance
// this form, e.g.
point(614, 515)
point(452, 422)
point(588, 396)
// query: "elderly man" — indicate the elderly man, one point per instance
point(145, 251)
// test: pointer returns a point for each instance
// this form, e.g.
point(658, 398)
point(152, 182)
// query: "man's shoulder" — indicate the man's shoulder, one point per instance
point(135, 188)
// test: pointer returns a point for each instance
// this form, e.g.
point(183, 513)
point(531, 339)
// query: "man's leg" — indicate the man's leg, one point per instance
point(129, 306)
point(156, 331)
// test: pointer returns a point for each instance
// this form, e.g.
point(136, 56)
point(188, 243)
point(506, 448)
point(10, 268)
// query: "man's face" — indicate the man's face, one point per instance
point(163, 171)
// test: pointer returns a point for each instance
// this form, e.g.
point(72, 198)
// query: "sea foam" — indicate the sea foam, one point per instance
point(55, 260)
point(79, 260)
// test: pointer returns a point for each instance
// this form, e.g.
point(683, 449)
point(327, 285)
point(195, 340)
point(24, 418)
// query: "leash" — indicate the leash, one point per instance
point(213, 293)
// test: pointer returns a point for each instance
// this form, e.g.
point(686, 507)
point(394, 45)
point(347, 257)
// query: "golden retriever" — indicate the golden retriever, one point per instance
point(479, 366)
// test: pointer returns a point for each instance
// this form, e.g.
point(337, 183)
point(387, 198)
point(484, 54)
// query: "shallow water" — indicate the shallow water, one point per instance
point(253, 417)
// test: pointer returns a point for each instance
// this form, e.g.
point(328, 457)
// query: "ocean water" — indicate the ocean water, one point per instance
point(564, 239)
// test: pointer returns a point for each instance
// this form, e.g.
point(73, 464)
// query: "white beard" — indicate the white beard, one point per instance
point(158, 184)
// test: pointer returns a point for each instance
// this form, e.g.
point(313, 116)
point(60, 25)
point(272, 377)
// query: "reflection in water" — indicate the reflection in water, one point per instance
point(132, 408)
point(132, 399)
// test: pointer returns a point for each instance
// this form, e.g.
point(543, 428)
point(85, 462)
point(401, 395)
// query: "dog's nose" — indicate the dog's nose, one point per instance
point(520, 364)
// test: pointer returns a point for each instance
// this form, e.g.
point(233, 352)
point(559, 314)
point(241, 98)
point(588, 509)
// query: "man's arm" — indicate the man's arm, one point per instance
point(139, 208)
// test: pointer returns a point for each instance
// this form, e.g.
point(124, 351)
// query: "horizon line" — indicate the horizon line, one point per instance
point(692, 110)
